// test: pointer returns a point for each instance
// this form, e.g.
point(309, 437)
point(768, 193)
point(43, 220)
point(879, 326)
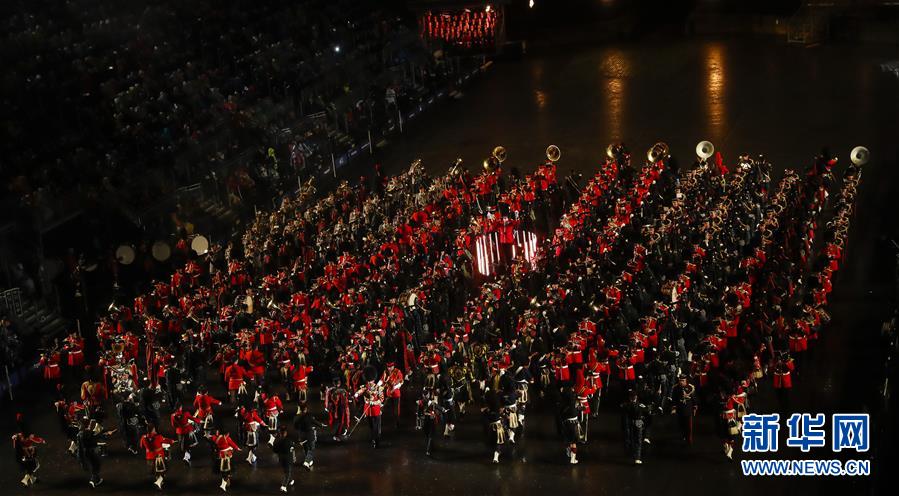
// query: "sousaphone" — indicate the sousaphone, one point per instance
point(859, 156)
point(704, 150)
point(553, 153)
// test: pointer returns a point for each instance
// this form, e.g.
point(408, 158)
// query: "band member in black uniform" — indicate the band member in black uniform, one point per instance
point(307, 430)
point(634, 417)
point(428, 417)
point(496, 431)
point(88, 441)
point(284, 448)
point(569, 412)
point(683, 396)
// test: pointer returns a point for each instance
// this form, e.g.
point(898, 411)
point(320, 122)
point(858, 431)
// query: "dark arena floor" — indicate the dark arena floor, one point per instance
point(747, 97)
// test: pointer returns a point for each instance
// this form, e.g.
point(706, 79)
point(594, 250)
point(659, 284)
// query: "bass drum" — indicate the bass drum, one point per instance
point(124, 255)
point(161, 251)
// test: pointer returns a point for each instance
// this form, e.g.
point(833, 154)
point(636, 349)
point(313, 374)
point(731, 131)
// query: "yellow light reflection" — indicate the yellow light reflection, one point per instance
point(715, 85)
point(615, 70)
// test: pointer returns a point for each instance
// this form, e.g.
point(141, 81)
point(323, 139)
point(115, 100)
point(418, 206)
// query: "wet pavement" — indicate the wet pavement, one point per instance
point(746, 97)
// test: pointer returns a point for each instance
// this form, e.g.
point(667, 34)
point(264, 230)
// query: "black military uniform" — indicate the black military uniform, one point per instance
point(568, 415)
point(634, 417)
point(88, 450)
point(683, 396)
point(130, 422)
point(284, 448)
point(306, 426)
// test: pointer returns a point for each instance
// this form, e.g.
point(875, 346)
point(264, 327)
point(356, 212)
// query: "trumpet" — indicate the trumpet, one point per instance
point(456, 168)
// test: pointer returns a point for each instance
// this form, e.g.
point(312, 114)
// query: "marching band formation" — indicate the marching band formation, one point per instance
point(677, 290)
point(466, 29)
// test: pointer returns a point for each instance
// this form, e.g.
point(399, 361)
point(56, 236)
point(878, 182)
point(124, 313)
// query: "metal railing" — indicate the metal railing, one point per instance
point(11, 301)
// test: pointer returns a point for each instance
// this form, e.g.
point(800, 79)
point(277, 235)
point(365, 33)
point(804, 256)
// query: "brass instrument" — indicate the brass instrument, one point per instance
point(499, 153)
point(860, 156)
point(415, 166)
point(618, 153)
point(704, 150)
point(659, 151)
point(497, 156)
point(553, 153)
point(456, 168)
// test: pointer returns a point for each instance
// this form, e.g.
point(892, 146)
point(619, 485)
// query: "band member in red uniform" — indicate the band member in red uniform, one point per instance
point(393, 382)
point(74, 348)
point(203, 403)
point(273, 407)
point(50, 362)
point(183, 423)
point(783, 379)
point(92, 392)
point(300, 378)
point(225, 448)
point(235, 376)
point(373, 397)
point(25, 445)
point(250, 421)
point(155, 446)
